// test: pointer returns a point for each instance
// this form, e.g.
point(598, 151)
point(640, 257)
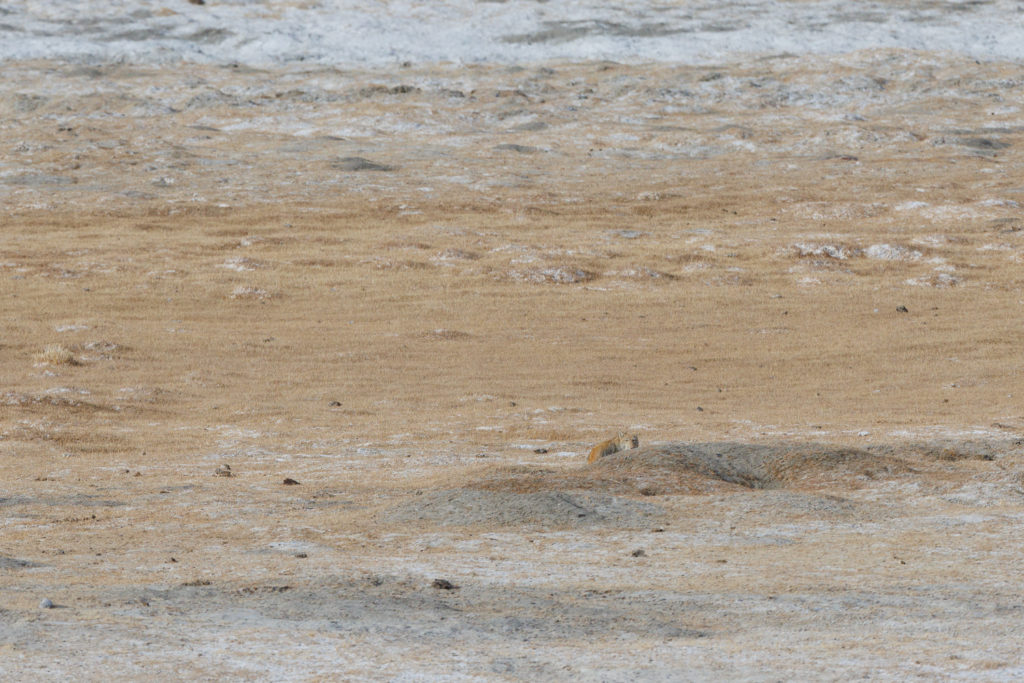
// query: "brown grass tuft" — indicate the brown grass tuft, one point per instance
point(56, 354)
point(248, 292)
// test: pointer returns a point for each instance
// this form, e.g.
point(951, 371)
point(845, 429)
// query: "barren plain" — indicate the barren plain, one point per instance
point(421, 294)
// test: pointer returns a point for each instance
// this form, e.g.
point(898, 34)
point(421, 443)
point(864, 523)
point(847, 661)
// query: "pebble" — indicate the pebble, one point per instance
point(46, 603)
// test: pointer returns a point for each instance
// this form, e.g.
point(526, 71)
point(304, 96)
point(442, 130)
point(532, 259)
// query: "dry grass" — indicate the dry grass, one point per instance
point(56, 354)
point(249, 292)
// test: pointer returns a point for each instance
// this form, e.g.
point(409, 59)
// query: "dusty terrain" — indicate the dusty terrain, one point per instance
point(423, 294)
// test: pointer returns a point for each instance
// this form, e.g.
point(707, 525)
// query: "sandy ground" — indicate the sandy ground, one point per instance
point(423, 294)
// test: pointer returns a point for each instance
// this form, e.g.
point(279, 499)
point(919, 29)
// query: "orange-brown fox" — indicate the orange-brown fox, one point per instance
point(621, 442)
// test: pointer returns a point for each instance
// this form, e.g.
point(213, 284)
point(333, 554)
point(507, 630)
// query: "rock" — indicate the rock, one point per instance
point(639, 552)
point(359, 164)
point(444, 584)
point(983, 144)
point(290, 482)
point(223, 471)
point(520, 149)
point(46, 603)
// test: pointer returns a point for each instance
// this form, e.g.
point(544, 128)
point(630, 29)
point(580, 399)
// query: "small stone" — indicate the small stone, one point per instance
point(902, 309)
point(639, 552)
point(301, 556)
point(223, 471)
point(334, 404)
point(359, 164)
point(540, 450)
point(444, 584)
point(46, 603)
point(290, 482)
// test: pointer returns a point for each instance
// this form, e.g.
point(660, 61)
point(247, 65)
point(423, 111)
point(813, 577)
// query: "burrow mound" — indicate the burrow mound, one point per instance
point(700, 468)
point(950, 450)
point(758, 466)
point(609, 492)
point(470, 506)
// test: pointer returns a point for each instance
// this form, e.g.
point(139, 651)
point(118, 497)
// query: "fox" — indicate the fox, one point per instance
point(621, 442)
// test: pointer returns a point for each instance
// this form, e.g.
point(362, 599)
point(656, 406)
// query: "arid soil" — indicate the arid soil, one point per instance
point(423, 294)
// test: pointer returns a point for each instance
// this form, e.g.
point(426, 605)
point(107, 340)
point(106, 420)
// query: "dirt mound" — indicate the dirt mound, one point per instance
point(468, 507)
point(948, 450)
point(15, 563)
point(756, 466)
point(702, 468)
